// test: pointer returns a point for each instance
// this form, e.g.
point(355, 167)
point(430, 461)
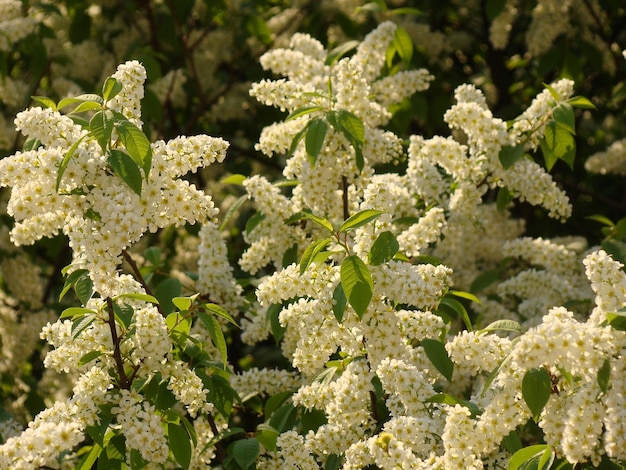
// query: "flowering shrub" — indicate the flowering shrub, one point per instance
point(366, 276)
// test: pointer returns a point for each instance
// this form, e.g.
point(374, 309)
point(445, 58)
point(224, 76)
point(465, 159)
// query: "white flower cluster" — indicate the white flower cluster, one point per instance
point(608, 282)
point(215, 273)
point(264, 382)
point(97, 210)
point(612, 161)
point(13, 25)
point(141, 425)
point(354, 88)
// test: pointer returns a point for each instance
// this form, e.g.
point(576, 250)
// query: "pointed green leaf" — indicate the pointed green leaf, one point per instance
point(318, 220)
point(464, 295)
point(557, 143)
point(232, 210)
point(298, 137)
point(111, 88)
point(403, 44)
point(553, 92)
point(81, 324)
point(357, 284)
point(71, 280)
point(563, 115)
point(616, 320)
point(272, 315)
point(351, 126)
point(339, 302)
point(525, 454)
point(484, 280)
point(66, 160)
point(136, 143)
point(502, 325)
point(311, 252)
point(216, 333)
point(615, 248)
point(581, 102)
point(84, 288)
point(101, 127)
point(126, 168)
point(546, 459)
point(338, 52)
point(383, 249)
point(234, 179)
point(505, 196)
point(509, 155)
point(90, 459)
point(536, 390)
point(314, 140)
point(302, 112)
point(182, 303)
point(75, 312)
point(85, 106)
point(267, 436)
point(436, 352)
point(90, 356)
point(457, 309)
point(220, 312)
point(46, 102)
point(245, 452)
point(359, 219)
point(179, 443)
point(89, 97)
point(138, 296)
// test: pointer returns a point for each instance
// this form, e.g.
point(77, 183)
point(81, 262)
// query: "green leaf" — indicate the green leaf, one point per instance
point(234, 179)
point(510, 155)
point(179, 443)
point(267, 436)
point(101, 127)
point(563, 115)
point(617, 320)
point(66, 160)
point(215, 331)
point(602, 219)
point(136, 143)
point(45, 102)
point(220, 312)
point(31, 144)
point(123, 314)
point(536, 389)
point(302, 112)
point(502, 325)
point(403, 44)
point(484, 280)
point(503, 199)
point(88, 97)
point(581, 102)
point(338, 52)
point(357, 284)
point(84, 107)
point(183, 303)
point(494, 8)
point(339, 302)
point(110, 88)
point(314, 140)
point(464, 295)
point(557, 143)
point(525, 454)
point(254, 220)
point(359, 219)
point(406, 11)
point(272, 315)
point(311, 252)
point(90, 356)
point(138, 296)
point(165, 291)
point(89, 459)
point(275, 401)
point(456, 308)
point(351, 126)
point(126, 168)
point(298, 137)
point(318, 220)
point(283, 418)
point(81, 324)
point(76, 312)
point(232, 210)
point(245, 452)
point(383, 249)
point(512, 442)
point(451, 400)
point(436, 352)
point(71, 280)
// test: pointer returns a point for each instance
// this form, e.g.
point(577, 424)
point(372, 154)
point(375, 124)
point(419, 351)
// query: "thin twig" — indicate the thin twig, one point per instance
point(117, 354)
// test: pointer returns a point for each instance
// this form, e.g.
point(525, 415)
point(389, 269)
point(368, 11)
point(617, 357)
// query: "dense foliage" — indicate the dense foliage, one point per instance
point(312, 234)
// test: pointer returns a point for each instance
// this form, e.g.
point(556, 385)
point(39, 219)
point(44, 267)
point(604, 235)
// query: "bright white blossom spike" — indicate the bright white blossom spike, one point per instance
point(612, 161)
point(608, 281)
point(98, 211)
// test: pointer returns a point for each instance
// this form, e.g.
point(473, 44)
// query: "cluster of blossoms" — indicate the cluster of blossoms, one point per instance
point(97, 210)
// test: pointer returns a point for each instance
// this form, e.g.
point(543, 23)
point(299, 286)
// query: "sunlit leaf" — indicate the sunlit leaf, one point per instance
point(536, 389)
point(357, 284)
point(127, 169)
point(359, 219)
point(436, 352)
point(383, 249)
